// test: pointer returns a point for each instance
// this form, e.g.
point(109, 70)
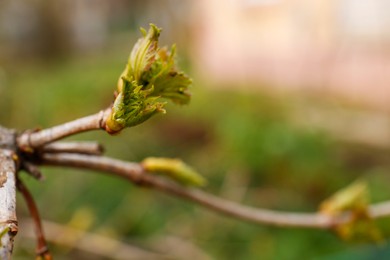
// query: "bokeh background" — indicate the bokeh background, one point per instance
point(290, 104)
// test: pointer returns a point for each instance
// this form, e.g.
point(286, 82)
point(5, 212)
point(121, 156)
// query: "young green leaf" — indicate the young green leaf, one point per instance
point(355, 196)
point(150, 75)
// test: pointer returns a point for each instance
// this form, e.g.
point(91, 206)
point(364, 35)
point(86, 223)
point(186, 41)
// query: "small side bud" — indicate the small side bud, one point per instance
point(174, 169)
point(353, 199)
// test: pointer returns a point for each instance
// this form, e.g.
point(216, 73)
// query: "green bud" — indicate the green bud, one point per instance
point(174, 169)
point(150, 74)
point(144, 53)
point(132, 106)
point(167, 81)
point(355, 200)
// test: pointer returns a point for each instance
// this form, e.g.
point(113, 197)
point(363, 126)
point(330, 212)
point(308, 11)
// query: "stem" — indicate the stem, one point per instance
point(135, 173)
point(30, 140)
point(32, 170)
point(42, 249)
point(92, 148)
point(132, 171)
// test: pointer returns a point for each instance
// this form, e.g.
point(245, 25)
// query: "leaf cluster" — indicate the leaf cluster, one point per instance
point(150, 74)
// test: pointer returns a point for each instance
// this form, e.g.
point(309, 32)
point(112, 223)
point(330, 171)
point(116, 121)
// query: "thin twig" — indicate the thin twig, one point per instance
point(135, 173)
point(42, 250)
point(128, 170)
point(32, 170)
point(92, 148)
point(31, 140)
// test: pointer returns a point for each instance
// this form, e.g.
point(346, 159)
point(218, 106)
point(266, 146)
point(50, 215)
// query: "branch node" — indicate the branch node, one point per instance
point(24, 140)
point(12, 226)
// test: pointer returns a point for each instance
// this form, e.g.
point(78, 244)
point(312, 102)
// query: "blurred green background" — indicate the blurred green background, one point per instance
point(255, 147)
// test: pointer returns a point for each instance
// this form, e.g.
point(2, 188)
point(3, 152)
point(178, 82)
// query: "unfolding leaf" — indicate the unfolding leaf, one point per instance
point(167, 81)
point(353, 197)
point(144, 53)
point(150, 74)
point(132, 106)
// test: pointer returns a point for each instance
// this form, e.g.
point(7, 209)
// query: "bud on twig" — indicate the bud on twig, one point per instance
point(175, 169)
point(150, 74)
point(355, 200)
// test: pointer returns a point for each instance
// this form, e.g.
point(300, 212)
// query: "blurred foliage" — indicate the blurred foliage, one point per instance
point(243, 143)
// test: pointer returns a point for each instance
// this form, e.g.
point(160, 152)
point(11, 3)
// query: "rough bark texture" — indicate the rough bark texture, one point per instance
point(8, 221)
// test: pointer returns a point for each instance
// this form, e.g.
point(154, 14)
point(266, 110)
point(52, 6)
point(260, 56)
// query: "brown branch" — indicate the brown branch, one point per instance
point(31, 140)
point(32, 170)
point(8, 220)
point(135, 173)
point(92, 148)
point(42, 250)
point(128, 170)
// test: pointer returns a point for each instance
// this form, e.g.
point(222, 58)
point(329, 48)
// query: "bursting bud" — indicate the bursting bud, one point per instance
point(150, 75)
point(353, 200)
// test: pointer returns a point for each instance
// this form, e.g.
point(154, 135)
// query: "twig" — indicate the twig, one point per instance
point(31, 140)
point(42, 250)
point(8, 221)
point(128, 170)
point(32, 170)
point(92, 148)
point(135, 173)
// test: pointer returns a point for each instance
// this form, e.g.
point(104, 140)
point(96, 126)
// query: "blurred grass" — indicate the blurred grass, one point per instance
point(243, 143)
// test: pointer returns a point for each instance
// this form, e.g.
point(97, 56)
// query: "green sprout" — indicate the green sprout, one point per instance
point(150, 75)
point(174, 169)
point(354, 199)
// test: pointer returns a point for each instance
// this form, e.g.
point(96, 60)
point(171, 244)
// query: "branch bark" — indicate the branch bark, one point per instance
point(74, 147)
point(135, 173)
point(31, 140)
point(8, 220)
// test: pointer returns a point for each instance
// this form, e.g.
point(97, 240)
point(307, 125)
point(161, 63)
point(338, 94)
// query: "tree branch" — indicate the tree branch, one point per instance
point(132, 171)
point(31, 140)
point(135, 173)
point(8, 221)
point(8, 168)
point(92, 148)
point(32, 170)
